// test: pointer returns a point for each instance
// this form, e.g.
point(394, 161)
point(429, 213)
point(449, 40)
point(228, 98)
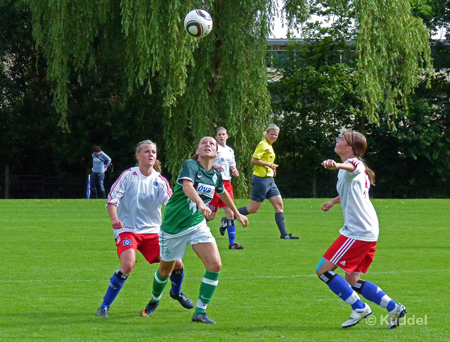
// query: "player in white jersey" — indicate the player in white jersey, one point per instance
point(354, 250)
point(134, 205)
point(224, 162)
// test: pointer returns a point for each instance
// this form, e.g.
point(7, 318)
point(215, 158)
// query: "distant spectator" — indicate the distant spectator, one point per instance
point(100, 161)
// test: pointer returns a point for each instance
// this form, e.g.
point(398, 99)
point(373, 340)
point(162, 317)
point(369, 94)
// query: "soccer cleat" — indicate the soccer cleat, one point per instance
point(289, 237)
point(202, 318)
point(235, 246)
point(149, 309)
point(102, 311)
point(183, 299)
point(356, 316)
point(223, 226)
point(396, 315)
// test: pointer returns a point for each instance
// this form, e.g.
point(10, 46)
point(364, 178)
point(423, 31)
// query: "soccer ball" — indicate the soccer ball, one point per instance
point(198, 23)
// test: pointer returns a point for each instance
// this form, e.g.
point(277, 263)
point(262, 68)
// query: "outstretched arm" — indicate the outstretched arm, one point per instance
point(226, 198)
point(330, 164)
point(328, 205)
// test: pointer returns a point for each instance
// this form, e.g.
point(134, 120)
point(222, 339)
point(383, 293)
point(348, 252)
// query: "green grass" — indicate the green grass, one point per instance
point(58, 256)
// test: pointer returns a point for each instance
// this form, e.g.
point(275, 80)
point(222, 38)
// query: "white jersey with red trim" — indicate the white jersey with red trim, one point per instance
point(138, 199)
point(225, 158)
point(360, 218)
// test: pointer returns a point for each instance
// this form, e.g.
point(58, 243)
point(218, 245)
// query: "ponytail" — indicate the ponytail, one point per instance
point(369, 172)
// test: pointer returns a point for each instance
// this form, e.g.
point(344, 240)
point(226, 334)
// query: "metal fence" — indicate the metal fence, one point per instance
point(24, 187)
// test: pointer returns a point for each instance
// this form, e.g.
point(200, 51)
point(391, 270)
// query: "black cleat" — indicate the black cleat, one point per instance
point(289, 237)
point(202, 318)
point(223, 226)
point(102, 311)
point(149, 309)
point(235, 246)
point(183, 299)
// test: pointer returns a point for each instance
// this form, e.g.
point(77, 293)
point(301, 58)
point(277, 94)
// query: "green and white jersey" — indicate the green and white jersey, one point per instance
point(181, 212)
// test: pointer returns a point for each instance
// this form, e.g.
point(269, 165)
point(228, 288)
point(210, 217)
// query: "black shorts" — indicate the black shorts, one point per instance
point(263, 188)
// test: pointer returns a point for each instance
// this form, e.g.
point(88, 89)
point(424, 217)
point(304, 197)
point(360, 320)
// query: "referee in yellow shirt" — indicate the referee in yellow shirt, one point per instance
point(263, 182)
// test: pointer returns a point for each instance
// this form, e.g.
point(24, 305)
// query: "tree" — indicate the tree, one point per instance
point(196, 85)
point(219, 80)
point(319, 94)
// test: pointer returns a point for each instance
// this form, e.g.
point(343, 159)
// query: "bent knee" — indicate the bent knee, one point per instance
point(127, 268)
point(252, 210)
point(178, 265)
point(216, 267)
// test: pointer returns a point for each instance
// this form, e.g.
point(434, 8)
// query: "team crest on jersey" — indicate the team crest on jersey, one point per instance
point(205, 190)
point(127, 242)
point(214, 178)
point(213, 208)
point(155, 183)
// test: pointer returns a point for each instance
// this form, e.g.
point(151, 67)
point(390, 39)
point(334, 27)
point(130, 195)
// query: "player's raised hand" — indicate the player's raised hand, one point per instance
point(243, 219)
point(329, 164)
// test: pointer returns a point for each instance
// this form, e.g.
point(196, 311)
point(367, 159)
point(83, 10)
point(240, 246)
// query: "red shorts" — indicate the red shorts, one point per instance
point(216, 202)
point(147, 244)
point(351, 255)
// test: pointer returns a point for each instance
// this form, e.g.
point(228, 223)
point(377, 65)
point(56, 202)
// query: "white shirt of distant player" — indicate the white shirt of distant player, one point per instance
point(360, 218)
point(138, 199)
point(225, 158)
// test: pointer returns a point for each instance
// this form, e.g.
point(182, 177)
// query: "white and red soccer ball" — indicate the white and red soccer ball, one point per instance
point(198, 23)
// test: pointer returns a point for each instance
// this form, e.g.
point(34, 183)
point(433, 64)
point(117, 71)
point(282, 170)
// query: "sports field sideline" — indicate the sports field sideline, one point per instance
point(58, 256)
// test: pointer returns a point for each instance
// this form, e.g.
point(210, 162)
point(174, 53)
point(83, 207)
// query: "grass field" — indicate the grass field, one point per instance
point(58, 256)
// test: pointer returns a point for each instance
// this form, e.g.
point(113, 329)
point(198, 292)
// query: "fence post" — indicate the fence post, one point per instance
point(6, 181)
point(314, 185)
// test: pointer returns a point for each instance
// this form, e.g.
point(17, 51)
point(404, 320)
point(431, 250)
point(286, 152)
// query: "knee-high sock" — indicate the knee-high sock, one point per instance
point(176, 279)
point(373, 293)
point(342, 289)
point(115, 285)
point(279, 218)
point(207, 289)
point(243, 211)
point(231, 229)
point(159, 283)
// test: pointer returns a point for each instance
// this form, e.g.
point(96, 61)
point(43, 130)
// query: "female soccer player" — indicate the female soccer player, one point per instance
point(134, 205)
point(224, 162)
point(184, 223)
point(353, 251)
point(263, 182)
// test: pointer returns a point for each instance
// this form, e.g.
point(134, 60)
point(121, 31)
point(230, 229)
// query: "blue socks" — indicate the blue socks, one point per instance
point(342, 289)
point(115, 285)
point(231, 229)
point(176, 278)
point(373, 293)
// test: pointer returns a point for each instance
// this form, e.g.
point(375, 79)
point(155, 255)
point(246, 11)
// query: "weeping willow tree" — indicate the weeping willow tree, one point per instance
point(392, 49)
point(221, 79)
point(204, 83)
point(393, 53)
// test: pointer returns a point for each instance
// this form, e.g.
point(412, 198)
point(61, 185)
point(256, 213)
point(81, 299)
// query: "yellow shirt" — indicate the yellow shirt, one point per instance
point(264, 151)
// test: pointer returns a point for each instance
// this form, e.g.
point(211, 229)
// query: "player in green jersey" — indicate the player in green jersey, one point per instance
point(184, 223)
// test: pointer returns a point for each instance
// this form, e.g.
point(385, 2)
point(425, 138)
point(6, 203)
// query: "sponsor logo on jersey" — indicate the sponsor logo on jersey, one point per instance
point(127, 242)
point(205, 190)
point(342, 263)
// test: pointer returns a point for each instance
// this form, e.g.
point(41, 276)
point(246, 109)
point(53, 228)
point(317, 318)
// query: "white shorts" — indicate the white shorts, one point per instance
point(173, 246)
